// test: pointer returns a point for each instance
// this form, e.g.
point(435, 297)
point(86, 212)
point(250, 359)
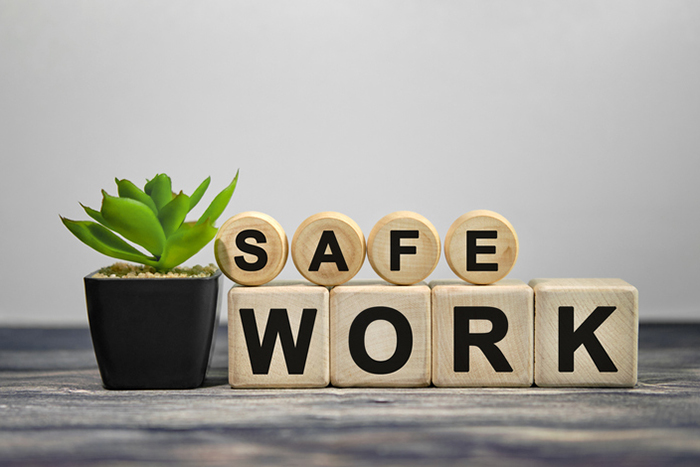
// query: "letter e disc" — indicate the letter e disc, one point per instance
point(251, 248)
point(403, 248)
point(328, 248)
point(481, 247)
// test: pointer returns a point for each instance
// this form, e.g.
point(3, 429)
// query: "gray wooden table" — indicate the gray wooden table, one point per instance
point(54, 411)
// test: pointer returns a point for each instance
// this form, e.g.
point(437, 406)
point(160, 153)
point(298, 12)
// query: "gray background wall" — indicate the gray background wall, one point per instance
point(578, 121)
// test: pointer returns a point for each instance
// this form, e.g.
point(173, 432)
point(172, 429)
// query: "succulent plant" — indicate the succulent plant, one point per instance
point(152, 218)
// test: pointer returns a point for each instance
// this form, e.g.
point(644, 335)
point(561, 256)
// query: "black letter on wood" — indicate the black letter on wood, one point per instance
point(397, 250)
point(404, 340)
point(570, 339)
point(336, 255)
point(259, 237)
point(463, 338)
point(278, 324)
point(473, 249)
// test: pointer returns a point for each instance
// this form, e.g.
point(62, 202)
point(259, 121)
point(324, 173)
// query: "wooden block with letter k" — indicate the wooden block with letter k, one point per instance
point(279, 336)
point(585, 332)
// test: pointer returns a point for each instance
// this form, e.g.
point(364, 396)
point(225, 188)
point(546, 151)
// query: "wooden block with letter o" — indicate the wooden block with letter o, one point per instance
point(482, 334)
point(251, 248)
point(328, 248)
point(380, 335)
point(403, 248)
point(278, 336)
point(585, 332)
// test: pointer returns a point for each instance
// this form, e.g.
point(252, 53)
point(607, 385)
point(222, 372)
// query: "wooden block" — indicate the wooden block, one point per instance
point(278, 336)
point(380, 335)
point(585, 332)
point(482, 334)
point(328, 248)
point(403, 248)
point(481, 247)
point(251, 248)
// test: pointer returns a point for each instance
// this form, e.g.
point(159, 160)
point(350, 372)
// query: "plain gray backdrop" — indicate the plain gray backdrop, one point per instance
point(577, 121)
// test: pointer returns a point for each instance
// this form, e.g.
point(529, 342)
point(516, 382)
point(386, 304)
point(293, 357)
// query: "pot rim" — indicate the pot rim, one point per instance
point(90, 276)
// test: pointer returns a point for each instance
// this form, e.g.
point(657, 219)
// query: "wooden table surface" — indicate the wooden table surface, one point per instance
point(54, 411)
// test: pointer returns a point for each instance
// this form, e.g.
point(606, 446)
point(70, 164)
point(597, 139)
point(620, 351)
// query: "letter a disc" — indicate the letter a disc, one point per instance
point(328, 248)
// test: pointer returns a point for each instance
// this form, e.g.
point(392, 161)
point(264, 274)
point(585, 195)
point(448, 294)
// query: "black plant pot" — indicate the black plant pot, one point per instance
point(153, 333)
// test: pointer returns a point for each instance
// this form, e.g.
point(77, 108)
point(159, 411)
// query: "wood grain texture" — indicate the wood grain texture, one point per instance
point(617, 334)
point(514, 299)
point(294, 297)
point(307, 243)
point(503, 255)
point(381, 337)
point(413, 267)
point(274, 243)
point(54, 412)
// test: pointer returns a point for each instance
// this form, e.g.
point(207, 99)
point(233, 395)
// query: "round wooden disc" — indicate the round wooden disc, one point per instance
point(484, 224)
point(415, 258)
point(328, 248)
point(251, 248)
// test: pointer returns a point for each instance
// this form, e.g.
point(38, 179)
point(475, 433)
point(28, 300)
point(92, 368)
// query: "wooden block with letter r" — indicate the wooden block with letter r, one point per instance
point(482, 334)
point(278, 336)
point(585, 332)
point(380, 335)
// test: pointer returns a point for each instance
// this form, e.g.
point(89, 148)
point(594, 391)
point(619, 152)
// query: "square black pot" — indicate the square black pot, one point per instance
point(153, 333)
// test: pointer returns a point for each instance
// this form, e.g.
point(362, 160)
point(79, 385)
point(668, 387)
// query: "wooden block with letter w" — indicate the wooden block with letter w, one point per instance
point(279, 336)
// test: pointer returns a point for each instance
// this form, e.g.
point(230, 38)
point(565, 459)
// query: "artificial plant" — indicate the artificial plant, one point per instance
point(152, 218)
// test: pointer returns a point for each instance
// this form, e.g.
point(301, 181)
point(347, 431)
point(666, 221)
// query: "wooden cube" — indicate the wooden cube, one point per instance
point(585, 332)
point(482, 334)
point(380, 335)
point(278, 336)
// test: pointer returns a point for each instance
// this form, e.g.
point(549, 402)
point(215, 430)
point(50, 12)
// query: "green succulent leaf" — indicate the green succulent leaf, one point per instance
point(104, 241)
point(199, 192)
point(134, 221)
point(160, 190)
point(219, 204)
point(173, 214)
point(187, 241)
point(129, 190)
point(94, 214)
